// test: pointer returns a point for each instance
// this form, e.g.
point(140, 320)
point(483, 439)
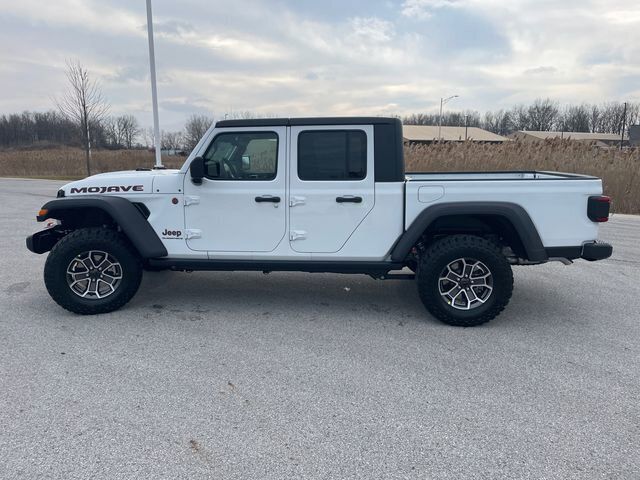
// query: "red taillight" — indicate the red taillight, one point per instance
point(598, 208)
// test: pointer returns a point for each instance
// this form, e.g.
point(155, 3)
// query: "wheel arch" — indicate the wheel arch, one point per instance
point(507, 219)
point(91, 211)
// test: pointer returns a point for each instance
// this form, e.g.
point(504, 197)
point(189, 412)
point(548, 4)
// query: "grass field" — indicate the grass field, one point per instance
point(620, 170)
point(69, 163)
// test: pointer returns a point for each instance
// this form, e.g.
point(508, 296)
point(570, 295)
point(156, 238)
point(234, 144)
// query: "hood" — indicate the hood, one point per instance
point(116, 183)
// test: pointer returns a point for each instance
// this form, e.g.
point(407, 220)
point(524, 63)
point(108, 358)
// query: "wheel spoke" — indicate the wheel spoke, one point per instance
point(467, 306)
point(80, 276)
point(89, 289)
point(111, 288)
point(104, 261)
point(110, 279)
point(468, 268)
point(471, 295)
point(484, 295)
point(72, 269)
point(78, 282)
point(480, 277)
point(453, 277)
point(453, 298)
point(88, 264)
point(455, 285)
point(480, 283)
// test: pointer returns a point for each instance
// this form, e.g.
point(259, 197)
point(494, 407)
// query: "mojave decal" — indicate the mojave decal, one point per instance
point(109, 189)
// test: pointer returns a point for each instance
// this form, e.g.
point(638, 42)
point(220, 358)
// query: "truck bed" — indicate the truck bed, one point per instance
point(498, 175)
point(555, 202)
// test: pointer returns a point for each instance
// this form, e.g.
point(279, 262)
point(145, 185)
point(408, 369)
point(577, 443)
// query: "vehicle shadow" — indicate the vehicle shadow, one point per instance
point(280, 294)
point(328, 297)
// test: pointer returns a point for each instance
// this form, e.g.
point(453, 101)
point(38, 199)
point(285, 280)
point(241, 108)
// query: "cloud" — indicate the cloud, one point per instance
point(372, 29)
point(89, 16)
point(542, 70)
point(332, 57)
point(422, 9)
point(171, 27)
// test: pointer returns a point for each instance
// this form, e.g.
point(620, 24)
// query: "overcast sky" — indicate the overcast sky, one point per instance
point(321, 57)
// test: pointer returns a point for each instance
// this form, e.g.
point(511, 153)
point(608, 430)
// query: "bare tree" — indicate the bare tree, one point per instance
point(111, 132)
point(497, 122)
point(594, 118)
point(83, 104)
point(147, 137)
point(194, 130)
point(171, 140)
point(519, 118)
point(129, 129)
point(633, 113)
point(575, 118)
point(543, 114)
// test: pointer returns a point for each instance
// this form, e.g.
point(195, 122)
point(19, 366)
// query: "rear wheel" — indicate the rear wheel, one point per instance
point(92, 270)
point(464, 280)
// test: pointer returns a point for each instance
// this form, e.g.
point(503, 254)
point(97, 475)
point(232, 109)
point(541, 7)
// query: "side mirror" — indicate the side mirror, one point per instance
point(197, 170)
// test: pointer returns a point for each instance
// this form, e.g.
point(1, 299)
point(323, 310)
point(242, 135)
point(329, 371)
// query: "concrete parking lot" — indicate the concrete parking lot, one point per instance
point(287, 375)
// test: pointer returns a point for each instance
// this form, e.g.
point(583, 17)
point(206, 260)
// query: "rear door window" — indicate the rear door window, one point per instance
point(332, 155)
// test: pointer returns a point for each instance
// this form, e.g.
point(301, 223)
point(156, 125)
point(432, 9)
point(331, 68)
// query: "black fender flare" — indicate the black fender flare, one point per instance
point(515, 214)
point(124, 213)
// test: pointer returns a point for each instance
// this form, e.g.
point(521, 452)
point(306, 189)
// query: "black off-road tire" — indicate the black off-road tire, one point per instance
point(436, 258)
point(90, 239)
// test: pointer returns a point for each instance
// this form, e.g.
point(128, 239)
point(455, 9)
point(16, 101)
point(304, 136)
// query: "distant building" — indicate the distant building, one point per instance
point(599, 139)
point(171, 152)
point(429, 134)
point(634, 135)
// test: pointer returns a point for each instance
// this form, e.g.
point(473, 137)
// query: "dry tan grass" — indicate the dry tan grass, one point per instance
point(70, 162)
point(620, 170)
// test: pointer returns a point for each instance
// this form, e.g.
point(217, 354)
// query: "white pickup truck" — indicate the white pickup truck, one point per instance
point(316, 195)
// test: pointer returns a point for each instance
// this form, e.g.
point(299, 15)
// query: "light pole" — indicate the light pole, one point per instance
point(466, 127)
point(624, 121)
point(154, 90)
point(443, 101)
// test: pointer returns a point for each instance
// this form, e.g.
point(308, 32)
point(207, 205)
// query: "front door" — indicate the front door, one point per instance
point(332, 185)
point(240, 205)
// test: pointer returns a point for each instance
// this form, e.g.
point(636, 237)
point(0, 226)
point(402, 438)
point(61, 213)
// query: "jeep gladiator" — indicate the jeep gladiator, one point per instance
point(316, 195)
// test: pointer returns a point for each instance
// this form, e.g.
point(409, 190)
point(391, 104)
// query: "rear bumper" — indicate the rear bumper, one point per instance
point(596, 251)
point(589, 251)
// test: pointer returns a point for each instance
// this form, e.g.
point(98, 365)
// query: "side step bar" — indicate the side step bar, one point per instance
point(379, 270)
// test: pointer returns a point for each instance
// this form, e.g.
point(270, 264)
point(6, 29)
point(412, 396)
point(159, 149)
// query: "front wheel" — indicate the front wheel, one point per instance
point(464, 280)
point(92, 270)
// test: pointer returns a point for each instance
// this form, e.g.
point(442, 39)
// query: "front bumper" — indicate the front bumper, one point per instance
point(43, 241)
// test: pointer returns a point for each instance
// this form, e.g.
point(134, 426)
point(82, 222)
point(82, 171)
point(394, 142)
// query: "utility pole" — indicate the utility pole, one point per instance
point(154, 90)
point(624, 121)
point(443, 101)
point(466, 127)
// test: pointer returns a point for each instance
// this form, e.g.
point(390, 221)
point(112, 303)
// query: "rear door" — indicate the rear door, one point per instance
point(331, 185)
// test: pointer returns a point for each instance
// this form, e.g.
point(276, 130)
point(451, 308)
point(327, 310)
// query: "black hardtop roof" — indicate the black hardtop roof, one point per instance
point(286, 122)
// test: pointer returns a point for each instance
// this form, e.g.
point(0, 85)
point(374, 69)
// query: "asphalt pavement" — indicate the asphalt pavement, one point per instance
point(292, 375)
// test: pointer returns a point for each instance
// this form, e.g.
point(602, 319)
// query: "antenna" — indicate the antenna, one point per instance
point(154, 89)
